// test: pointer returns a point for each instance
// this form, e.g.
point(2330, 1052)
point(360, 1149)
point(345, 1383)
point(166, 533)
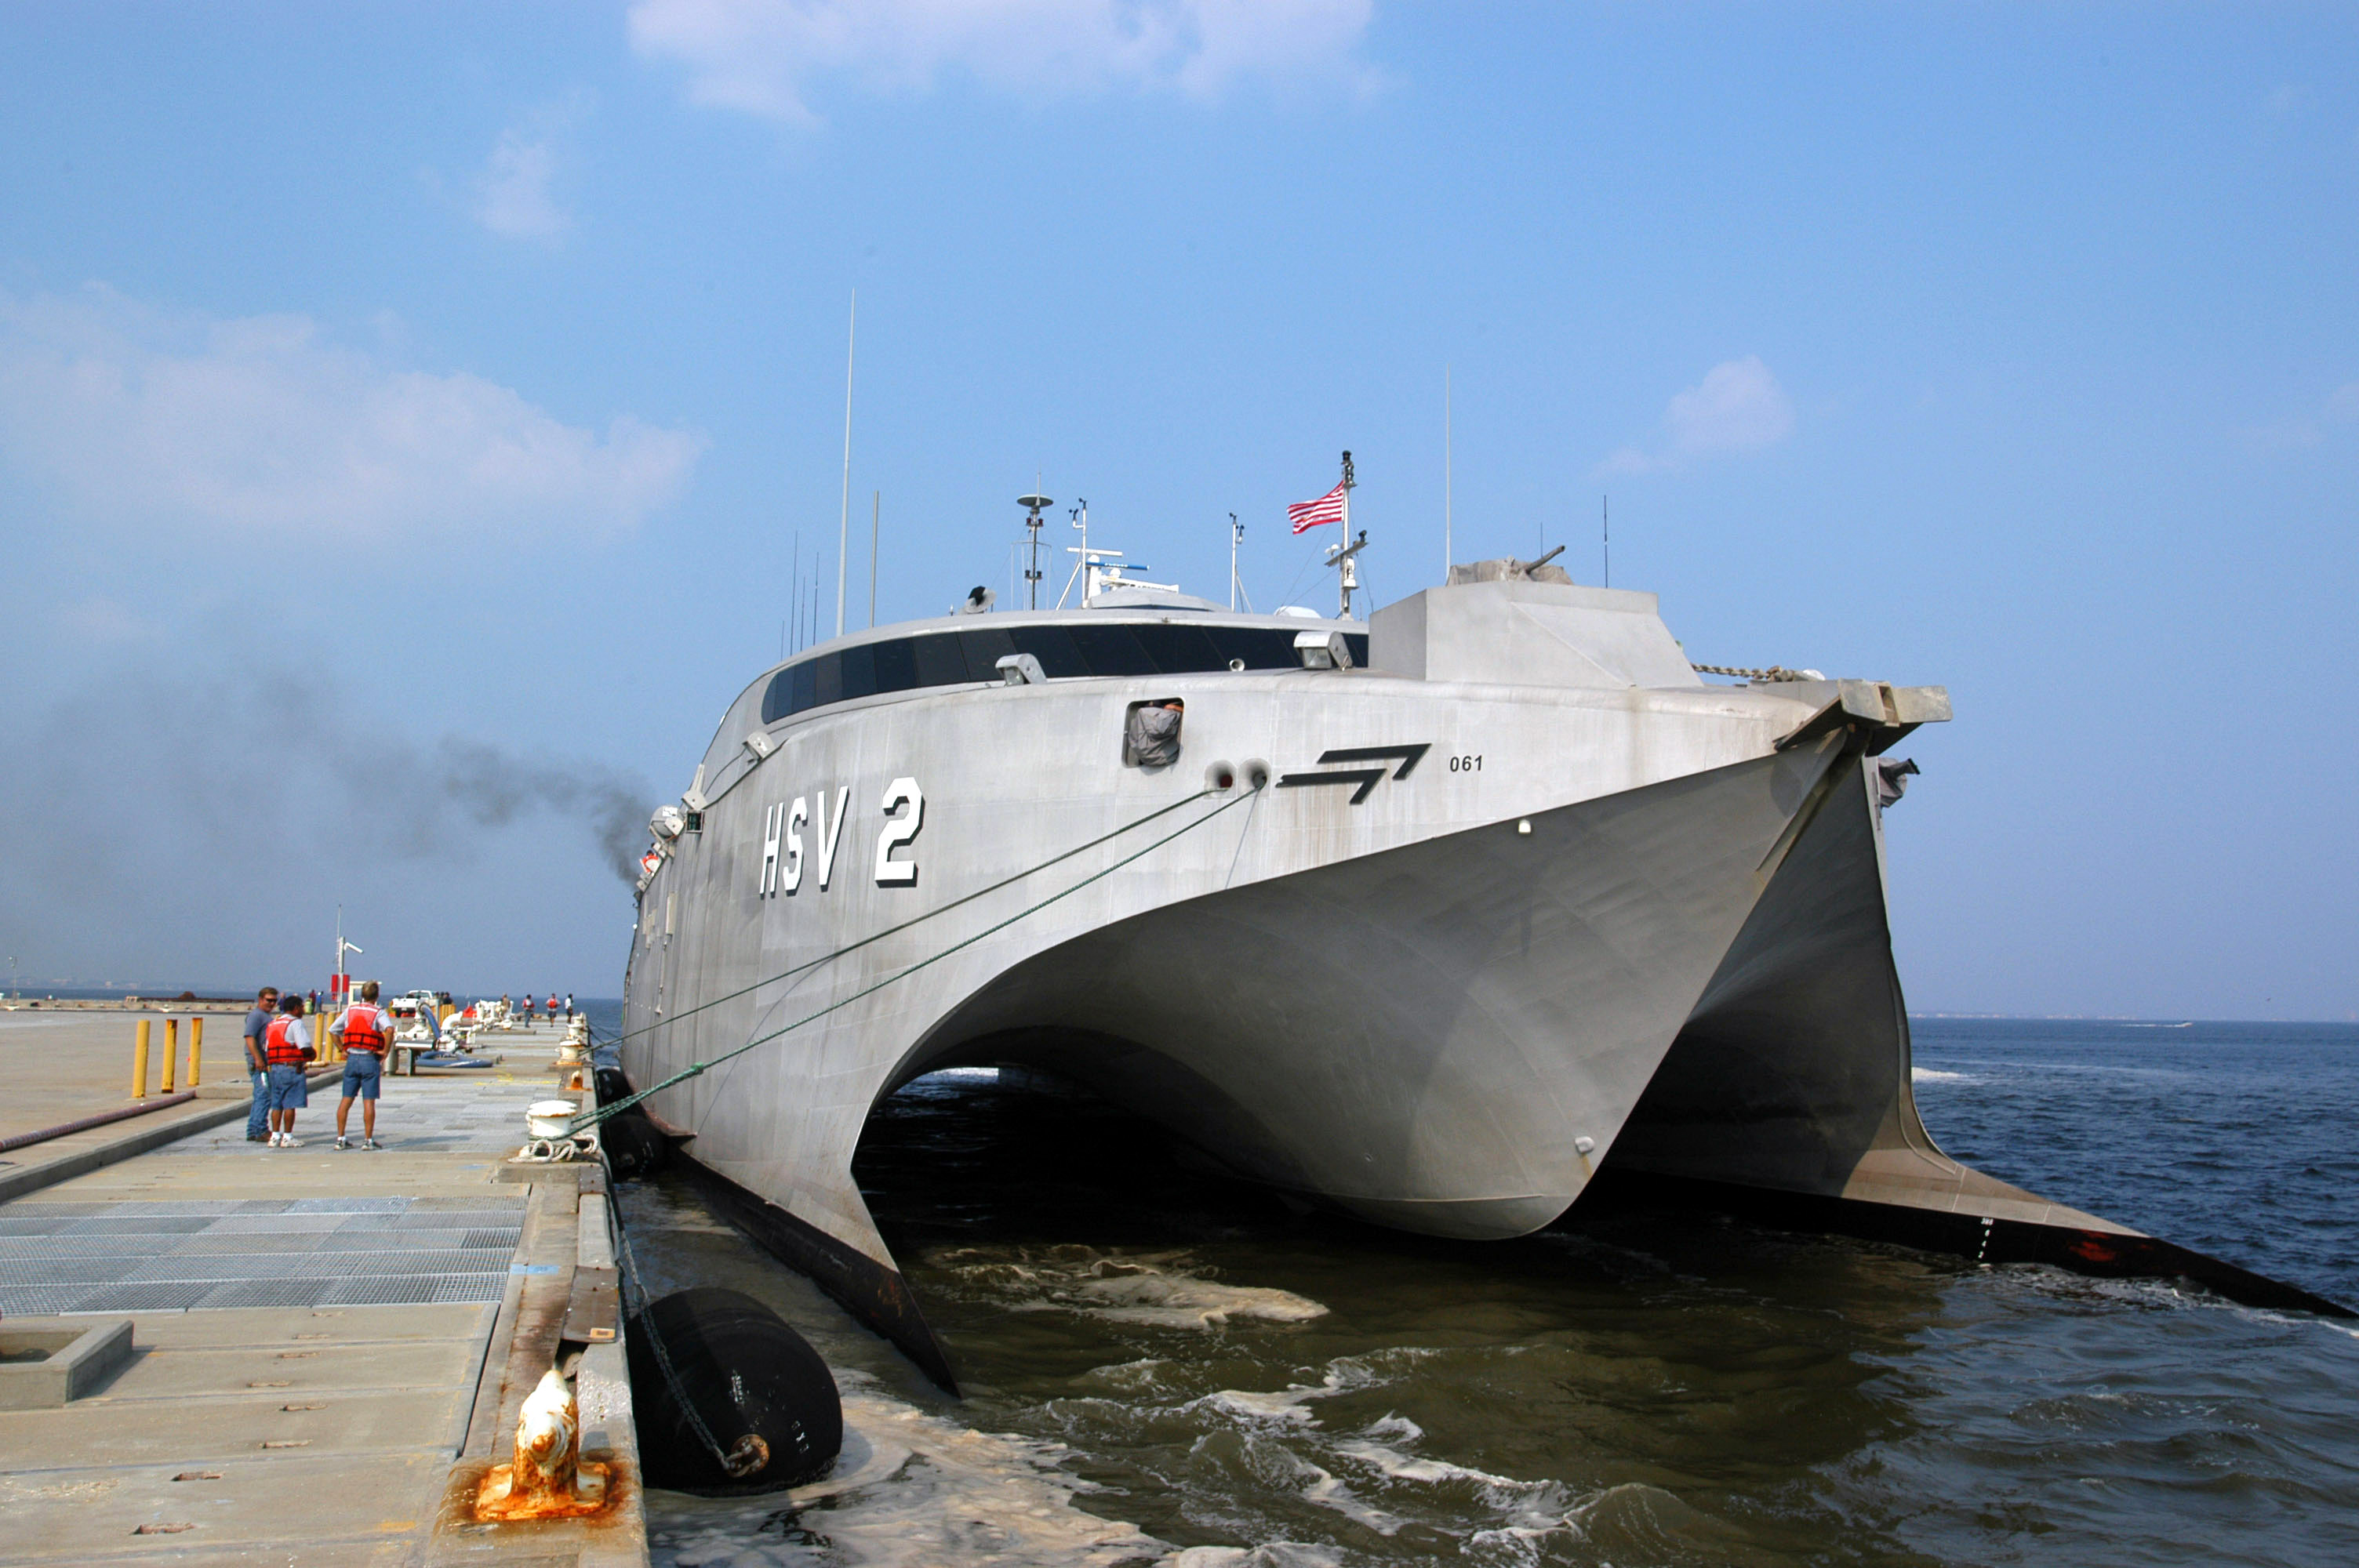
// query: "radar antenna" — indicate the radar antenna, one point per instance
point(1033, 506)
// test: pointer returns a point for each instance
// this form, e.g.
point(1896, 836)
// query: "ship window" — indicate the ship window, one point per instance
point(1054, 647)
point(1112, 651)
point(954, 658)
point(1261, 647)
point(1180, 650)
point(984, 649)
point(939, 661)
point(859, 667)
point(896, 662)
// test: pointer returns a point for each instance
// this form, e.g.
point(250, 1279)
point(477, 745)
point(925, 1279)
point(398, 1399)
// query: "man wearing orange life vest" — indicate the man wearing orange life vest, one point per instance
point(287, 1047)
point(366, 1032)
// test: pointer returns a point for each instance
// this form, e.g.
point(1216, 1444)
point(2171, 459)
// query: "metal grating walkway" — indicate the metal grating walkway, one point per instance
point(152, 1255)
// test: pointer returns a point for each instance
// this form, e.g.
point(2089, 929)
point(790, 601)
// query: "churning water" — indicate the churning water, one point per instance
point(1162, 1368)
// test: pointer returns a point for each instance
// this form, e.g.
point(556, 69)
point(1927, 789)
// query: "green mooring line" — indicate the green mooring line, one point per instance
point(914, 920)
point(601, 1113)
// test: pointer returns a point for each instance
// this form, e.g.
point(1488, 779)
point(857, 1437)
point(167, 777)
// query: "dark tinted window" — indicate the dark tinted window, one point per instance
point(1053, 646)
point(1358, 643)
point(1113, 651)
point(859, 665)
point(1177, 650)
point(1260, 647)
point(953, 658)
point(941, 661)
point(984, 649)
point(896, 662)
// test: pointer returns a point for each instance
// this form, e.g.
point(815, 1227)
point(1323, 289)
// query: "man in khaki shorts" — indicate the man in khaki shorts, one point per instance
point(365, 1030)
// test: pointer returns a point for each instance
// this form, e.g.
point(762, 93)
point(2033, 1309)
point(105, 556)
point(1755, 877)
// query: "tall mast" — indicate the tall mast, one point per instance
point(1033, 506)
point(843, 527)
point(876, 512)
point(1237, 534)
point(1446, 552)
point(1344, 556)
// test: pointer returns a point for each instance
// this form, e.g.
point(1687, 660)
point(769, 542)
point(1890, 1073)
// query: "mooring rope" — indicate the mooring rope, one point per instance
point(604, 1112)
point(914, 920)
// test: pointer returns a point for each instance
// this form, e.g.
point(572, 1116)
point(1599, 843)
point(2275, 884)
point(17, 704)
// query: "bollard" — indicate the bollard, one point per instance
point(196, 1048)
point(546, 1477)
point(171, 1051)
point(139, 1061)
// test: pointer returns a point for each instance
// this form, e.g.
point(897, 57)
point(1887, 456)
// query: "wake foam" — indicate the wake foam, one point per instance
point(1161, 1289)
point(911, 1491)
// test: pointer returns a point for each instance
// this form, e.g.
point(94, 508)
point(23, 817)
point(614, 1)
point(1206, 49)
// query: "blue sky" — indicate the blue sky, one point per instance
point(407, 414)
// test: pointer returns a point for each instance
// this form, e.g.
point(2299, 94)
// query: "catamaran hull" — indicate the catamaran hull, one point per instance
point(1348, 989)
point(1441, 951)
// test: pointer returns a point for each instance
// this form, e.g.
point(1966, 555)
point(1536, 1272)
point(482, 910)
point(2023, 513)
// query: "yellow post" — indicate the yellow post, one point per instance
point(196, 1049)
point(139, 1063)
point(171, 1050)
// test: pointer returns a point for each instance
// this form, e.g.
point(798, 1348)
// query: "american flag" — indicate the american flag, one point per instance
point(1328, 508)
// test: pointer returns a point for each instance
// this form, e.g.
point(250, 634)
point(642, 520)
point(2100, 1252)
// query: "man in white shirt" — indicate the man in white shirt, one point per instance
point(287, 1048)
point(364, 1031)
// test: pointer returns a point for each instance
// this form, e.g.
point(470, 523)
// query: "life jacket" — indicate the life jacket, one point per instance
point(278, 1048)
point(363, 1028)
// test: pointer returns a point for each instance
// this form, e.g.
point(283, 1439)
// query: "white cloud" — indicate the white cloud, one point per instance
point(760, 56)
point(2341, 407)
point(2288, 101)
point(1737, 408)
point(260, 426)
point(512, 194)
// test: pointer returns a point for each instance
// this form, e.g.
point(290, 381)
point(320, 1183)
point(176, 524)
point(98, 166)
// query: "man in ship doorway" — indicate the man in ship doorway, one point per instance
point(258, 1068)
point(364, 1031)
point(286, 1046)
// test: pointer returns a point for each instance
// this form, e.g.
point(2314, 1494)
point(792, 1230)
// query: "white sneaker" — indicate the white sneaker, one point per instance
point(273, 1139)
point(290, 1141)
point(342, 1141)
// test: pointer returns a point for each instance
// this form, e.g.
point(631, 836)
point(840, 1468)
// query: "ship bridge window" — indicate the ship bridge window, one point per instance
point(964, 657)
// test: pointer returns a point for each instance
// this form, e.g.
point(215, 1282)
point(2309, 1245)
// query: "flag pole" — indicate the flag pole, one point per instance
point(1346, 579)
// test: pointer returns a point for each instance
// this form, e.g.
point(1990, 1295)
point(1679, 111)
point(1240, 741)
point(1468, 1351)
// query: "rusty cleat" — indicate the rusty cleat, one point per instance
point(548, 1479)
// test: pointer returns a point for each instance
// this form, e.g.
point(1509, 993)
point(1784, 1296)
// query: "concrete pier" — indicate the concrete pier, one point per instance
point(330, 1346)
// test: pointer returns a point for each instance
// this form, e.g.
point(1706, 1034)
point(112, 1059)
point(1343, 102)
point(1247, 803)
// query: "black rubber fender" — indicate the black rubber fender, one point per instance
point(633, 1148)
point(749, 1375)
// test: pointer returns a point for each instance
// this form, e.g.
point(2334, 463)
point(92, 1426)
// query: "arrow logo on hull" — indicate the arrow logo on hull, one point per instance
point(1366, 779)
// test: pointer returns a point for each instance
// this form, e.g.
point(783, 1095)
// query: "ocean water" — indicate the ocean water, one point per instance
point(1165, 1369)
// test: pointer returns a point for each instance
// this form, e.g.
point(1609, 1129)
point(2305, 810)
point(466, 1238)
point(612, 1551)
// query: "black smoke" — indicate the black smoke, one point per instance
point(491, 787)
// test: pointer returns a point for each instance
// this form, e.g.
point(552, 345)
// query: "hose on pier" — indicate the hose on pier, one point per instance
point(591, 1118)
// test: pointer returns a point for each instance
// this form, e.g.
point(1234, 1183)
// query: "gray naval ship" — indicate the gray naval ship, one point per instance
point(1439, 917)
